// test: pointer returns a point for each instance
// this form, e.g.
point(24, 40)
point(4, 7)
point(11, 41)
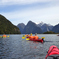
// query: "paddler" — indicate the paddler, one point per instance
point(25, 35)
point(4, 35)
point(28, 36)
point(31, 37)
point(36, 37)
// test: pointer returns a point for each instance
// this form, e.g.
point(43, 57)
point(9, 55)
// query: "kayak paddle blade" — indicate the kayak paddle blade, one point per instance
point(42, 37)
point(23, 37)
point(27, 39)
point(8, 36)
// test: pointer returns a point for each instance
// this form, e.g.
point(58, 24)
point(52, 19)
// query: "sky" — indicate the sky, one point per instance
point(22, 11)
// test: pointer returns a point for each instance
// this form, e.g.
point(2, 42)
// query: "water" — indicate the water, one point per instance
point(15, 47)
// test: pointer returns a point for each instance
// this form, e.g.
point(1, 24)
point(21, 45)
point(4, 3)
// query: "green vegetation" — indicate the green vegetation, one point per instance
point(49, 32)
point(6, 27)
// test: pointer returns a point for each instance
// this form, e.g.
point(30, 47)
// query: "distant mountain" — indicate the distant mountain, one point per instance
point(40, 24)
point(56, 28)
point(31, 27)
point(6, 27)
point(45, 27)
point(21, 27)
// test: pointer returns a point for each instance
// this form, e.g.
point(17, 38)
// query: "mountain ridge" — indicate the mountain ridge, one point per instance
point(56, 28)
point(6, 27)
point(21, 26)
point(44, 27)
point(31, 27)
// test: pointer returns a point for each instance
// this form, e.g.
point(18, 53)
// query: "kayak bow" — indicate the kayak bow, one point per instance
point(38, 40)
point(53, 53)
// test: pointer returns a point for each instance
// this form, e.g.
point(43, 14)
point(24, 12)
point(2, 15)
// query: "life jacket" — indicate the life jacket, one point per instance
point(31, 37)
point(36, 37)
point(25, 35)
point(4, 36)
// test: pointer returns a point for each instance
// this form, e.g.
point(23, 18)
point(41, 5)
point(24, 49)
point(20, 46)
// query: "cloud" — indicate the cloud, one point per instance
point(48, 12)
point(22, 2)
point(47, 15)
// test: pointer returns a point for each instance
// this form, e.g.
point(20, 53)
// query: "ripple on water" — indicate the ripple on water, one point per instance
point(15, 47)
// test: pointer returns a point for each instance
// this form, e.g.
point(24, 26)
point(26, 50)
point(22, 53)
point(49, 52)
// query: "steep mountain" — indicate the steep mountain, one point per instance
point(21, 27)
point(6, 27)
point(40, 24)
point(45, 27)
point(31, 27)
point(56, 28)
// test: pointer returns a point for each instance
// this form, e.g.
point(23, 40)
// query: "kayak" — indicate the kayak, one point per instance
point(38, 40)
point(53, 53)
point(3, 36)
point(58, 35)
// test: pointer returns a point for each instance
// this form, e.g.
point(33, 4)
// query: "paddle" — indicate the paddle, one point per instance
point(42, 37)
point(27, 38)
point(8, 36)
point(23, 37)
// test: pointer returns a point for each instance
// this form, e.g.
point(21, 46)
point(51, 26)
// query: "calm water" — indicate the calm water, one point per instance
point(15, 47)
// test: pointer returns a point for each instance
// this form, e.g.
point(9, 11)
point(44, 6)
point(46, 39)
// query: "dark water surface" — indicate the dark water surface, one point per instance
point(15, 47)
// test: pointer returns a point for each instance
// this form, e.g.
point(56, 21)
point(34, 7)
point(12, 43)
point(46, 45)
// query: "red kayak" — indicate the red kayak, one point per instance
point(58, 35)
point(39, 40)
point(53, 53)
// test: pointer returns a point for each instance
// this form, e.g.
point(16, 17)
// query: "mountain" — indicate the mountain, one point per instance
point(40, 24)
point(6, 27)
point(56, 28)
point(21, 27)
point(45, 27)
point(31, 27)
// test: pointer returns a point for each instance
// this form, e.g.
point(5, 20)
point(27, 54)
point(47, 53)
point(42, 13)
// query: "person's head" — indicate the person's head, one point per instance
point(35, 33)
point(31, 34)
point(23, 35)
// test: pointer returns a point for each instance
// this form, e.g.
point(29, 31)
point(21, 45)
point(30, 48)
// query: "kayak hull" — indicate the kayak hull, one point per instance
point(53, 50)
point(38, 40)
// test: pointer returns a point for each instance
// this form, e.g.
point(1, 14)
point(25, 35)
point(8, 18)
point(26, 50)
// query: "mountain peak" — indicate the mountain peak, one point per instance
point(56, 28)
point(42, 23)
point(31, 23)
point(21, 26)
point(31, 27)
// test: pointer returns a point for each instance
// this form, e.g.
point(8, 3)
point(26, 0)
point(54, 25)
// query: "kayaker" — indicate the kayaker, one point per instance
point(25, 35)
point(36, 37)
point(53, 53)
point(31, 37)
point(28, 36)
point(4, 35)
